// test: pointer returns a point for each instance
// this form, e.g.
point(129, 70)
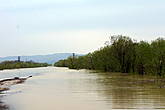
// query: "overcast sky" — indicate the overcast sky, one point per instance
point(31, 27)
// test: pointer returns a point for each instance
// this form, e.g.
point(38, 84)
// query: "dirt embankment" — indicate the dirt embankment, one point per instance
point(6, 83)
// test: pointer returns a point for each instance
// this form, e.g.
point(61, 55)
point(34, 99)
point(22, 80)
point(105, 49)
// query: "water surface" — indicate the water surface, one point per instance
point(54, 88)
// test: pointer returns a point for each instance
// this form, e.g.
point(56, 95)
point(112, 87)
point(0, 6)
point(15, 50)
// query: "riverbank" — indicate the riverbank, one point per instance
point(6, 83)
point(135, 80)
point(20, 64)
point(122, 54)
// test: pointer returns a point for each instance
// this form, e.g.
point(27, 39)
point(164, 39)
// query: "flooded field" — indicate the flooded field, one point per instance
point(54, 88)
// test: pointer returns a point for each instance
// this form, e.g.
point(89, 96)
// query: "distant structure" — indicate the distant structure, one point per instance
point(73, 55)
point(19, 58)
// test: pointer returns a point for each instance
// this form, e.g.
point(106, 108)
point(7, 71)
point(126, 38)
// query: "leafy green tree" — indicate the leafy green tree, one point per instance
point(122, 54)
point(143, 57)
point(158, 49)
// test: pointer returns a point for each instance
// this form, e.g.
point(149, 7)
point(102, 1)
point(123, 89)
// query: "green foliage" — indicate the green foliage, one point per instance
point(143, 57)
point(122, 54)
point(20, 64)
point(158, 61)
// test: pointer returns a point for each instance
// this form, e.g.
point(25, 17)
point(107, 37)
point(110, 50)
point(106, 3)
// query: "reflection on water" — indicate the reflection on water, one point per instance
point(3, 106)
point(64, 89)
point(120, 93)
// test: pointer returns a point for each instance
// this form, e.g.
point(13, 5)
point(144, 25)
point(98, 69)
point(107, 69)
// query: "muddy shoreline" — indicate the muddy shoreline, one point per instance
point(5, 85)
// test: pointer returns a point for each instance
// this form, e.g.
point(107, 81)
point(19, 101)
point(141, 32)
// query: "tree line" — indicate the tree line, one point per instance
point(20, 64)
point(122, 54)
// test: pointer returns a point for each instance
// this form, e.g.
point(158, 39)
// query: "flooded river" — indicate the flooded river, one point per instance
point(53, 88)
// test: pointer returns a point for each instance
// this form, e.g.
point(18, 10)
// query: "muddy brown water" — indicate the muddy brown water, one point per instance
point(55, 88)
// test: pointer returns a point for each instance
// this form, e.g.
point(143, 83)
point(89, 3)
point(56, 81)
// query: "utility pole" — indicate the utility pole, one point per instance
point(73, 57)
point(19, 58)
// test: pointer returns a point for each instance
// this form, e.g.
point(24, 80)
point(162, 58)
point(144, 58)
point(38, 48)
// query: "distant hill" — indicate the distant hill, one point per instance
point(50, 59)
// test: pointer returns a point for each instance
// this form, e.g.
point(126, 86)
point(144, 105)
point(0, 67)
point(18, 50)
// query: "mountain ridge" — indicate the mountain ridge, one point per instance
point(49, 58)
